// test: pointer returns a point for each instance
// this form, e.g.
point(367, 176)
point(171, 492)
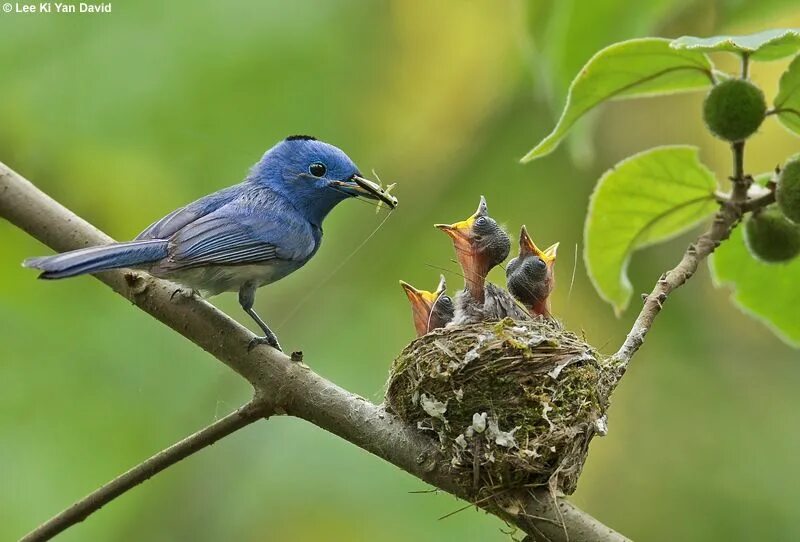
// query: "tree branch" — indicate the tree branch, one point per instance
point(728, 217)
point(285, 387)
point(244, 416)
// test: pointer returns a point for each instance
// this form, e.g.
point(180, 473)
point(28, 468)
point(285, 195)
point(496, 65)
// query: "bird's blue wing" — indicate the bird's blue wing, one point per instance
point(219, 240)
point(238, 234)
point(180, 218)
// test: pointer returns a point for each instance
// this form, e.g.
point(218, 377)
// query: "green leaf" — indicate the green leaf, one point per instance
point(787, 102)
point(646, 199)
point(767, 45)
point(640, 67)
point(564, 35)
point(768, 292)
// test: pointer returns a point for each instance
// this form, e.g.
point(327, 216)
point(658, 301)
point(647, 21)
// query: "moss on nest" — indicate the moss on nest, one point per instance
point(512, 404)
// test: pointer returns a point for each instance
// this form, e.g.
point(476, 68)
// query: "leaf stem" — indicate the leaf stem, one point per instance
point(739, 179)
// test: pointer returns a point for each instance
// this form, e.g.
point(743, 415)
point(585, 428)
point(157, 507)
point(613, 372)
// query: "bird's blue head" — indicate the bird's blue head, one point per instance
point(314, 176)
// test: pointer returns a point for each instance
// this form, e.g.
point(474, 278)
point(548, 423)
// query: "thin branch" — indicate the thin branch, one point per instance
point(285, 386)
point(759, 202)
point(95, 500)
point(730, 214)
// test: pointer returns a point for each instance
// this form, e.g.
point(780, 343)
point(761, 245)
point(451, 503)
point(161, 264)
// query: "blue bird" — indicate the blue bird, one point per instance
point(241, 237)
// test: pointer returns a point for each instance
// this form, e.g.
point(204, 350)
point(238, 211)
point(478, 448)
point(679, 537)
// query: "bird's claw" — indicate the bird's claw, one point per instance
point(187, 294)
point(271, 341)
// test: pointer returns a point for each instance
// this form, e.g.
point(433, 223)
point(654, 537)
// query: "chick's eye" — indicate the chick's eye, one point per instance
point(317, 169)
point(481, 221)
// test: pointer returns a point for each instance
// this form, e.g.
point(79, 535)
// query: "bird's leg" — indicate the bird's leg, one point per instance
point(247, 296)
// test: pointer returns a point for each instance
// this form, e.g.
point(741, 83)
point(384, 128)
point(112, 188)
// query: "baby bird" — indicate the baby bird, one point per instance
point(480, 245)
point(530, 275)
point(431, 310)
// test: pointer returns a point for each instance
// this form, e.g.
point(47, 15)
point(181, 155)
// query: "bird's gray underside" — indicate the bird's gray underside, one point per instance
point(211, 280)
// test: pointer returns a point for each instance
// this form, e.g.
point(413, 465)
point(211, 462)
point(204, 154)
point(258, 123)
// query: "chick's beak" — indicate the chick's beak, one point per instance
point(527, 248)
point(458, 231)
point(420, 299)
point(421, 305)
point(358, 186)
point(461, 231)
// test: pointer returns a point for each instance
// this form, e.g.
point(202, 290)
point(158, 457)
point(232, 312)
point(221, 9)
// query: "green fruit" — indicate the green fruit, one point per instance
point(788, 194)
point(734, 109)
point(771, 237)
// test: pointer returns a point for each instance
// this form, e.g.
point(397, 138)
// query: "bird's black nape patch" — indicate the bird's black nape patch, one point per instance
point(301, 138)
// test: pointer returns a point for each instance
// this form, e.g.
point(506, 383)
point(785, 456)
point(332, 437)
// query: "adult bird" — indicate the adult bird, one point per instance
point(431, 310)
point(480, 245)
point(530, 275)
point(241, 237)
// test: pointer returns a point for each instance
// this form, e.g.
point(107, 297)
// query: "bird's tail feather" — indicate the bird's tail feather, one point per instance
point(101, 258)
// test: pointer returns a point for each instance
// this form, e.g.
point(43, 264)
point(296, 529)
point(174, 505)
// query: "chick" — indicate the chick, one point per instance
point(530, 275)
point(480, 245)
point(431, 310)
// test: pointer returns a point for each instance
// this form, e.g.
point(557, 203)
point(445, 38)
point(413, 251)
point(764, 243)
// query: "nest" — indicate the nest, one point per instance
point(512, 404)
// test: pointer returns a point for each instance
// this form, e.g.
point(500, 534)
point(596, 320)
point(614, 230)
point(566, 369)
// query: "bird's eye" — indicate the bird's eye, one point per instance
point(481, 221)
point(317, 169)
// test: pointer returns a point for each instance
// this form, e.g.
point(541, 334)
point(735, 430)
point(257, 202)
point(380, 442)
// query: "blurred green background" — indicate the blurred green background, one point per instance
point(124, 117)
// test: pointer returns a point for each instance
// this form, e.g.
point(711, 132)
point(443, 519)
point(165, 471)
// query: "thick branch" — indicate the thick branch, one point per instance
point(282, 385)
point(142, 472)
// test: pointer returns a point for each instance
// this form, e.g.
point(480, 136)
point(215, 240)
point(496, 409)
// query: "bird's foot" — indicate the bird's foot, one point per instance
point(269, 340)
point(185, 293)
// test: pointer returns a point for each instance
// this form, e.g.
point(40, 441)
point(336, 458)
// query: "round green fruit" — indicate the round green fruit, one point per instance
point(771, 237)
point(734, 109)
point(788, 194)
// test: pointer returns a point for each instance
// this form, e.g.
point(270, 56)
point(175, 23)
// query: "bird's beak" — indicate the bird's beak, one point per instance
point(422, 303)
point(421, 299)
point(528, 247)
point(358, 186)
point(460, 231)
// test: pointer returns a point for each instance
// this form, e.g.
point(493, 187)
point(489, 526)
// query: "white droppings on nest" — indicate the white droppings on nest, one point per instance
point(472, 355)
point(601, 425)
point(554, 374)
point(529, 453)
point(479, 422)
point(434, 408)
point(502, 438)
